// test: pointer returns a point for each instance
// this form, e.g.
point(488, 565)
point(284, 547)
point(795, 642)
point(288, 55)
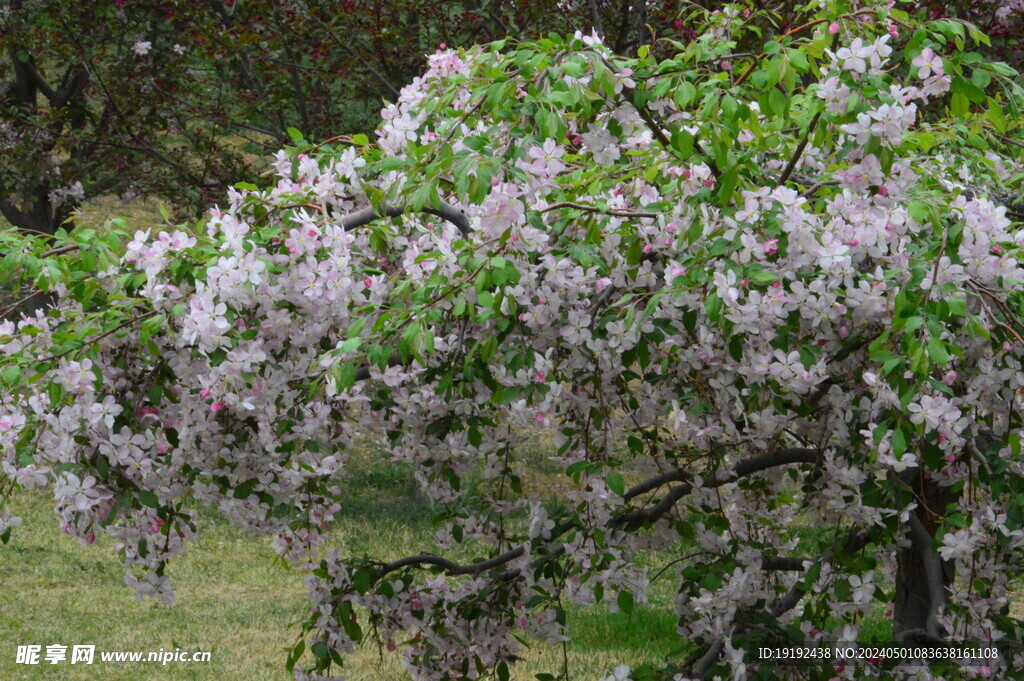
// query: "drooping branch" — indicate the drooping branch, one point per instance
point(744, 468)
point(741, 470)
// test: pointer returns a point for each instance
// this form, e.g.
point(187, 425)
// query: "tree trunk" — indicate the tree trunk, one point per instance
point(914, 601)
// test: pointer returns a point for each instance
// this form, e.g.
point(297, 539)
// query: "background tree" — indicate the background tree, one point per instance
point(180, 98)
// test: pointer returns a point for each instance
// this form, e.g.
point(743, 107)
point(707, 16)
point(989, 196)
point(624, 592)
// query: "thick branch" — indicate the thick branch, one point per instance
point(445, 211)
point(742, 470)
point(595, 19)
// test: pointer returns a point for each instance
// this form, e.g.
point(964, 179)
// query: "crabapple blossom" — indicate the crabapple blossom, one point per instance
point(732, 306)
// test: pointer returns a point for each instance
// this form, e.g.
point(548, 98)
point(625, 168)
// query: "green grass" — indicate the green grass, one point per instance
point(236, 600)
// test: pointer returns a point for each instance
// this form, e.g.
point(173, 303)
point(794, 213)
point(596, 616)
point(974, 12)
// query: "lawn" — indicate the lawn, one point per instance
point(238, 601)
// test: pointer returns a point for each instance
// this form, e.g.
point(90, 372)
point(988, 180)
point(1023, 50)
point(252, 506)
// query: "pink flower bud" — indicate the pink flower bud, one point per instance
point(893, 31)
point(648, 248)
point(776, 284)
point(539, 418)
point(710, 182)
point(833, 28)
point(90, 538)
point(541, 376)
point(205, 392)
point(216, 406)
point(161, 449)
point(883, 191)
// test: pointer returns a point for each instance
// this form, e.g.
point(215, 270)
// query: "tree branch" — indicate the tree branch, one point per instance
point(742, 469)
point(445, 211)
point(616, 212)
point(798, 151)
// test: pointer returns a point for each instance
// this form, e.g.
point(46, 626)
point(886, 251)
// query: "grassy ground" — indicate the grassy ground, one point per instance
point(236, 600)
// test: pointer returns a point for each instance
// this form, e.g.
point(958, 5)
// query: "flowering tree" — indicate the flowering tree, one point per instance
point(134, 97)
point(743, 300)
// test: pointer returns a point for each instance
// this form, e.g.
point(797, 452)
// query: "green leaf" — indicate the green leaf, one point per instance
point(548, 123)
point(625, 601)
point(959, 105)
point(684, 94)
point(295, 654)
point(798, 59)
point(296, 136)
point(616, 484)
point(10, 375)
point(363, 579)
point(938, 352)
point(899, 442)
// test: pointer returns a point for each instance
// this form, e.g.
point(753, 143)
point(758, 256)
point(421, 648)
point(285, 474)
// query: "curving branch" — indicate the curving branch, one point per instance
point(744, 468)
point(444, 210)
